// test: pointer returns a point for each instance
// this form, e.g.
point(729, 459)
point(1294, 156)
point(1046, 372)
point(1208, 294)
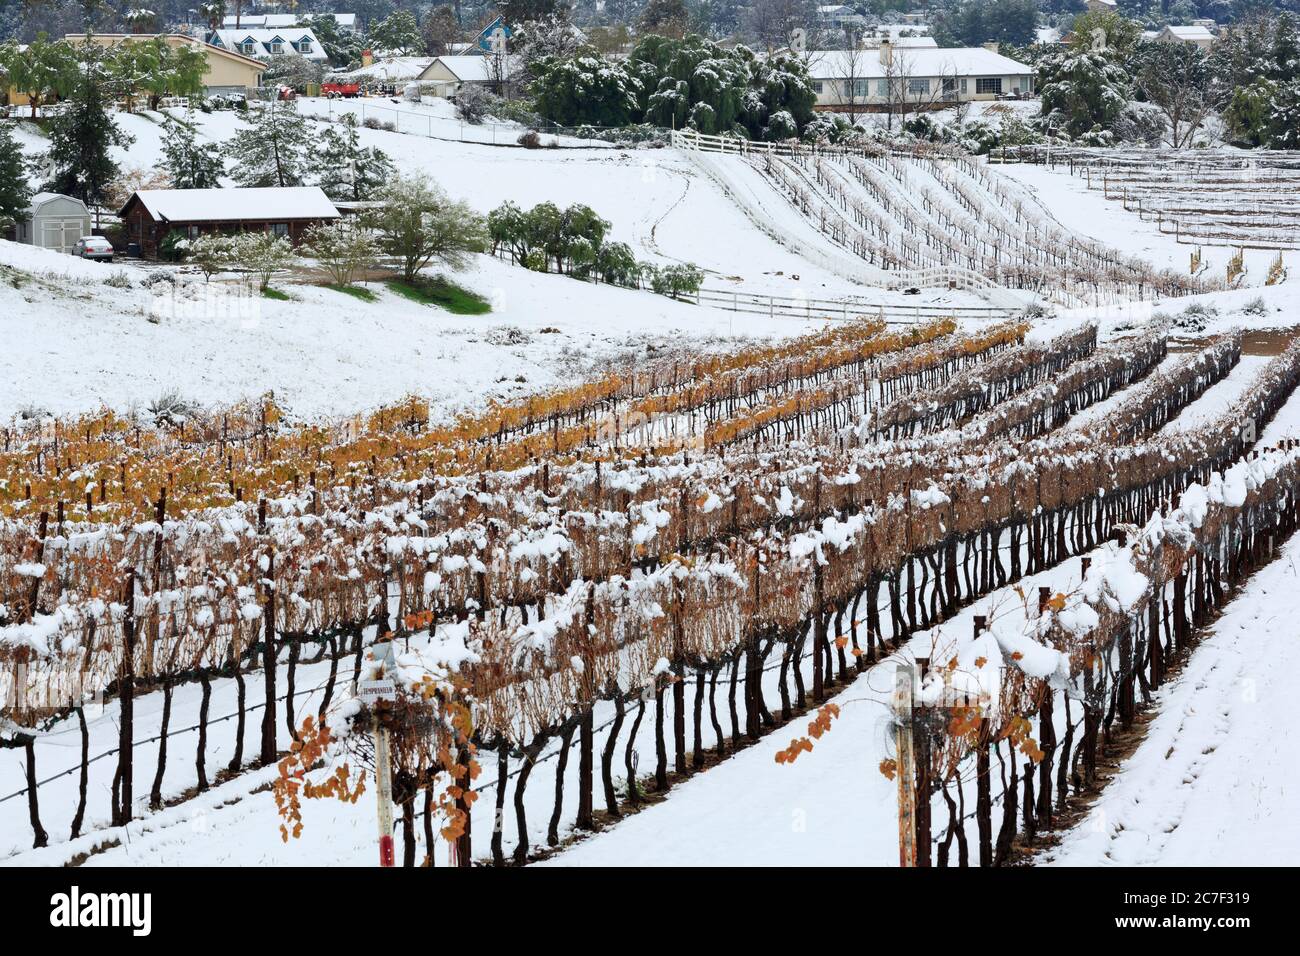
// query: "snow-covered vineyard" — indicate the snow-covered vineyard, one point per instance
point(946, 519)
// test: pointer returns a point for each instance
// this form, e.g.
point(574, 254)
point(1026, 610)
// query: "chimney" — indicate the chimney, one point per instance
point(886, 52)
point(991, 46)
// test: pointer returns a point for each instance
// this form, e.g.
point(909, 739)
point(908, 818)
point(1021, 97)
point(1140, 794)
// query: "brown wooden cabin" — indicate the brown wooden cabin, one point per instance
point(150, 214)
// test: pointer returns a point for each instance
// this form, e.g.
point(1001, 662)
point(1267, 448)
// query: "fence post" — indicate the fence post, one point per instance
point(904, 762)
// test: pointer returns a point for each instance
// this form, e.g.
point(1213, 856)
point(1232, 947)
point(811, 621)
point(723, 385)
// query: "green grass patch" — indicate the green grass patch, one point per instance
point(277, 295)
point(356, 291)
point(441, 292)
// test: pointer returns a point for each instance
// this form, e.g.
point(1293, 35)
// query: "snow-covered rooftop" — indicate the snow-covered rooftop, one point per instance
point(278, 21)
point(474, 69)
point(900, 43)
point(396, 68)
point(1190, 33)
point(914, 61)
point(260, 43)
point(229, 205)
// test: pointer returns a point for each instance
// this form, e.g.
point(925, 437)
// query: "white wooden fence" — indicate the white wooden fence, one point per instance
point(801, 307)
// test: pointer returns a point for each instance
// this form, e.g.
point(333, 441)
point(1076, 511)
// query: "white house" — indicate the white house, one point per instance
point(54, 221)
point(889, 74)
point(279, 21)
point(1102, 6)
point(1196, 35)
point(265, 44)
point(837, 16)
point(447, 74)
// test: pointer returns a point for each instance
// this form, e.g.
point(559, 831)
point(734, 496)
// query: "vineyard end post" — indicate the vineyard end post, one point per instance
point(904, 770)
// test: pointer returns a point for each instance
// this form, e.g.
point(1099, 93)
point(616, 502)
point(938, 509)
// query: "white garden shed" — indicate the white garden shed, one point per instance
point(55, 221)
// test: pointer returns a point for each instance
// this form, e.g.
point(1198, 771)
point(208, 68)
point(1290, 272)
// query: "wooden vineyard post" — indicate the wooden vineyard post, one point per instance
point(384, 792)
point(903, 677)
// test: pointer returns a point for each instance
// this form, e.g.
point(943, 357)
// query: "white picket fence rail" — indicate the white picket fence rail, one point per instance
point(800, 307)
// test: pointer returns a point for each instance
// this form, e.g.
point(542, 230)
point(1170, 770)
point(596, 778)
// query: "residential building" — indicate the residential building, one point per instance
point(280, 21)
point(447, 74)
point(150, 214)
point(265, 44)
point(228, 71)
point(1196, 35)
point(871, 79)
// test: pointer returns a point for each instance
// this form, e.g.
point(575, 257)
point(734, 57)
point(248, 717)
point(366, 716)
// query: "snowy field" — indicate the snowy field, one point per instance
point(75, 345)
point(1215, 781)
point(76, 336)
point(326, 353)
point(1085, 211)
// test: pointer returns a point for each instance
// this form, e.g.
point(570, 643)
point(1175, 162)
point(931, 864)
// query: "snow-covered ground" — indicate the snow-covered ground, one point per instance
point(72, 343)
point(1086, 212)
point(1215, 781)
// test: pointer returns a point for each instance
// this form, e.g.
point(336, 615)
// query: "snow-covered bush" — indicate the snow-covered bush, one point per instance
point(342, 250)
point(471, 103)
point(675, 280)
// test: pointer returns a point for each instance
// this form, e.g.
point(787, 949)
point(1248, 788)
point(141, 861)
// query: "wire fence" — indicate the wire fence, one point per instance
point(425, 124)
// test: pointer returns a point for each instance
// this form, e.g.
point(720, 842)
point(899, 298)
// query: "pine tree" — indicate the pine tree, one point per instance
point(350, 171)
point(274, 153)
point(83, 134)
point(190, 164)
point(14, 191)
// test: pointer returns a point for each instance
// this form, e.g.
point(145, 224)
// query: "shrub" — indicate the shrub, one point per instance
point(171, 408)
point(530, 139)
point(471, 103)
point(174, 246)
point(343, 250)
point(675, 280)
point(616, 264)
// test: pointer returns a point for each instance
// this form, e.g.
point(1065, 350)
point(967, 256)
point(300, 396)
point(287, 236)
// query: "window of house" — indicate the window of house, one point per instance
point(988, 84)
point(861, 88)
point(817, 87)
point(882, 88)
point(280, 228)
point(963, 84)
point(250, 48)
point(304, 46)
point(192, 232)
point(915, 86)
point(276, 46)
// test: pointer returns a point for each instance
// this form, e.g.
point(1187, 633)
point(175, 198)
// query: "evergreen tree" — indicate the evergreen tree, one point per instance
point(398, 33)
point(350, 171)
point(83, 134)
point(343, 48)
point(585, 89)
point(189, 163)
point(1083, 93)
point(274, 152)
point(14, 191)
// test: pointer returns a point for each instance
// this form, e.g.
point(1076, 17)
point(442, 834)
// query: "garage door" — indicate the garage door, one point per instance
point(61, 234)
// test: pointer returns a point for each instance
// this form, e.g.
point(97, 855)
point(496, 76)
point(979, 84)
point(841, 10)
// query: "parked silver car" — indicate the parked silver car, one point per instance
point(94, 247)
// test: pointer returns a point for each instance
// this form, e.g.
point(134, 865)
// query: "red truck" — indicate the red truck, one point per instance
point(340, 90)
